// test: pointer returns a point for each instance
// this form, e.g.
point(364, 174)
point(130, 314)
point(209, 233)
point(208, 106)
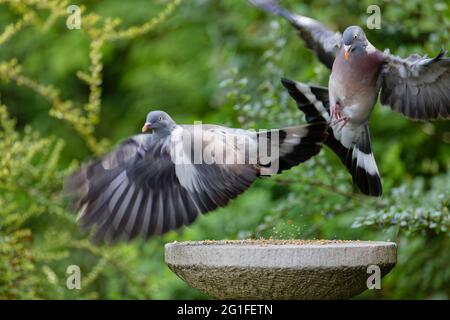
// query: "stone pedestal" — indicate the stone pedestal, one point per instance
point(280, 269)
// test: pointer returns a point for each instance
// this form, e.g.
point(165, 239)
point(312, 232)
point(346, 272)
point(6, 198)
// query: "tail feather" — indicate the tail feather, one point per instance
point(295, 145)
point(356, 156)
point(300, 144)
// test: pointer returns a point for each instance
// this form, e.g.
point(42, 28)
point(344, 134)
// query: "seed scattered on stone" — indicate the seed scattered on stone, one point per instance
point(265, 242)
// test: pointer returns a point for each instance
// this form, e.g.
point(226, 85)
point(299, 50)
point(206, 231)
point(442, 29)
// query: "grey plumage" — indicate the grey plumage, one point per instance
point(317, 37)
point(142, 187)
point(417, 87)
point(357, 157)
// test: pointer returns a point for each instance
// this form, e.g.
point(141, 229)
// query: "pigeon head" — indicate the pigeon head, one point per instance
point(159, 122)
point(355, 41)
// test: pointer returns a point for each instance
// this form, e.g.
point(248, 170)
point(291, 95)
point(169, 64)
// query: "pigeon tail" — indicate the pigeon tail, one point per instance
point(357, 157)
point(298, 144)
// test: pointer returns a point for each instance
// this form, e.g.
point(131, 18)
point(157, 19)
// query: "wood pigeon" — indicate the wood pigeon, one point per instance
point(156, 182)
point(418, 87)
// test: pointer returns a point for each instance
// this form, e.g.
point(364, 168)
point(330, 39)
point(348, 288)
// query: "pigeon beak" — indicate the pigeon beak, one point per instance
point(147, 127)
point(347, 50)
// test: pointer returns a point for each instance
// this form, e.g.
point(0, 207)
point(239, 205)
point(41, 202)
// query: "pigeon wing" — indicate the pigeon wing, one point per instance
point(418, 87)
point(318, 38)
point(138, 189)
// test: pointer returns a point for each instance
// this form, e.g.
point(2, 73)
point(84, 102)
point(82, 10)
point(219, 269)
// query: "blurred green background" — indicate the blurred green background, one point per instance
point(66, 95)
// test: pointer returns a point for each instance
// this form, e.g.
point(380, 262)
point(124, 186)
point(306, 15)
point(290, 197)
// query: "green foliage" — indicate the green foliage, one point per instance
point(67, 95)
point(38, 238)
point(414, 208)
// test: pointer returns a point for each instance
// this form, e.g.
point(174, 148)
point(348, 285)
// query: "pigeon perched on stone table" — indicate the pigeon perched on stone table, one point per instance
point(418, 87)
point(153, 183)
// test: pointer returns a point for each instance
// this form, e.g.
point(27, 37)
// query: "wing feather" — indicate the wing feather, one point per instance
point(318, 38)
point(137, 189)
point(418, 87)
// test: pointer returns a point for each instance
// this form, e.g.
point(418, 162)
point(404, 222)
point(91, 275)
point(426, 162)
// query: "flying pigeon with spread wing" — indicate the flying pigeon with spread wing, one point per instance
point(156, 182)
point(418, 87)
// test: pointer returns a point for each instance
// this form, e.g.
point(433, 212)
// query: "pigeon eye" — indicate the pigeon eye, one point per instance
point(160, 118)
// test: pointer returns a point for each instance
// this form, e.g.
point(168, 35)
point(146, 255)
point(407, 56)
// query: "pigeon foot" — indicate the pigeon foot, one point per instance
point(336, 111)
point(336, 115)
point(345, 120)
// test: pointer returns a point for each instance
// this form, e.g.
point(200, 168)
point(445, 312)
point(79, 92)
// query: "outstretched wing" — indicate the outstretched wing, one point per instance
point(418, 87)
point(138, 189)
point(318, 38)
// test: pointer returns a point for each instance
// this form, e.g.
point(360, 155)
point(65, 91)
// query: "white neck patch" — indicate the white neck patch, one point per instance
point(370, 48)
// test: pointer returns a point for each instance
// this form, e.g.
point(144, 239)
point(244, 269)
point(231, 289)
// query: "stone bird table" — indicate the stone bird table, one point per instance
point(280, 269)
